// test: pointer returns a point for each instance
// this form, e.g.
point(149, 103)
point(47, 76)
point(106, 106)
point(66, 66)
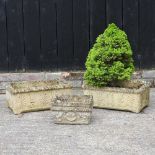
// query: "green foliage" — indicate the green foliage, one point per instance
point(110, 60)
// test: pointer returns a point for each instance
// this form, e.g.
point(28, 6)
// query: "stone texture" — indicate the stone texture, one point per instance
point(74, 83)
point(148, 74)
point(110, 133)
point(3, 86)
point(34, 96)
point(2, 91)
point(72, 109)
point(32, 76)
point(13, 77)
point(8, 77)
point(121, 98)
point(75, 78)
point(72, 75)
point(52, 76)
point(137, 75)
point(151, 81)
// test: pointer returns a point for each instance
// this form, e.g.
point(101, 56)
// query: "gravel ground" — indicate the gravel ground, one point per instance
point(110, 133)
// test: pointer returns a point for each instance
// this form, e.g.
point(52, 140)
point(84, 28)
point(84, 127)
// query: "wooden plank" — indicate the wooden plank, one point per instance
point(32, 34)
point(48, 34)
point(65, 33)
point(130, 25)
point(81, 32)
point(3, 38)
point(97, 19)
point(145, 32)
point(15, 34)
point(152, 55)
point(114, 12)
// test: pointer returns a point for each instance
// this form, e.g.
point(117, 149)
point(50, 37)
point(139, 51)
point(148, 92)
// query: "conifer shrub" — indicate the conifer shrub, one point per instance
point(110, 59)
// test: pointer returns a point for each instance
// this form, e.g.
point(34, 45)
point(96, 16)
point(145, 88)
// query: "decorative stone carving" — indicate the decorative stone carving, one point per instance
point(34, 95)
point(129, 96)
point(72, 109)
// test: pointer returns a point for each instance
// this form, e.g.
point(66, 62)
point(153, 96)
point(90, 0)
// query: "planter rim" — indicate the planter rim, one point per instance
point(73, 99)
point(144, 85)
point(73, 103)
point(34, 86)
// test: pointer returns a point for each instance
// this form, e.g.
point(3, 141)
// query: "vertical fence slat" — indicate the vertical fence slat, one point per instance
point(81, 32)
point(130, 25)
point(152, 55)
point(15, 34)
point(48, 34)
point(97, 18)
point(32, 34)
point(146, 30)
point(3, 38)
point(114, 12)
point(65, 33)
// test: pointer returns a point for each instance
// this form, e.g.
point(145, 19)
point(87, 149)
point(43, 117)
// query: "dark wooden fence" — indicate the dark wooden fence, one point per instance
point(57, 34)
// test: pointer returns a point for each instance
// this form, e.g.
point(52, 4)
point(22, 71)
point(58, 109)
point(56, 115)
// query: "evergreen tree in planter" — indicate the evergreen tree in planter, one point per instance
point(110, 60)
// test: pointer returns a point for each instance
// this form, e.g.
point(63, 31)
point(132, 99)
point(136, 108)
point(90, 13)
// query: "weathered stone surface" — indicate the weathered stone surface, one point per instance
point(14, 77)
point(34, 96)
point(148, 74)
point(32, 76)
point(74, 78)
point(52, 76)
point(137, 75)
point(72, 109)
point(8, 77)
point(3, 86)
point(126, 98)
point(74, 83)
point(72, 75)
point(151, 81)
point(2, 91)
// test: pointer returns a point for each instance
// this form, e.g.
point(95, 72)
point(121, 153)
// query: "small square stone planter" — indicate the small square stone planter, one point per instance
point(34, 95)
point(72, 109)
point(129, 96)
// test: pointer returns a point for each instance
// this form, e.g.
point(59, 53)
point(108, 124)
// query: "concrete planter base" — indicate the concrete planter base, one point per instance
point(131, 96)
point(72, 109)
point(34, 96)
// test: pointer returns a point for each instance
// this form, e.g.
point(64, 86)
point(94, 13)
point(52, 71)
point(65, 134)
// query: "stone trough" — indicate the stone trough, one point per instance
point(72, 109)
point(34, 95)
point(129, 96)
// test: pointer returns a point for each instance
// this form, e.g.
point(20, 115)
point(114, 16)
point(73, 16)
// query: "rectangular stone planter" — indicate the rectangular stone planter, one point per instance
point(34, 95)
point(129, 96)
point(75, 109)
